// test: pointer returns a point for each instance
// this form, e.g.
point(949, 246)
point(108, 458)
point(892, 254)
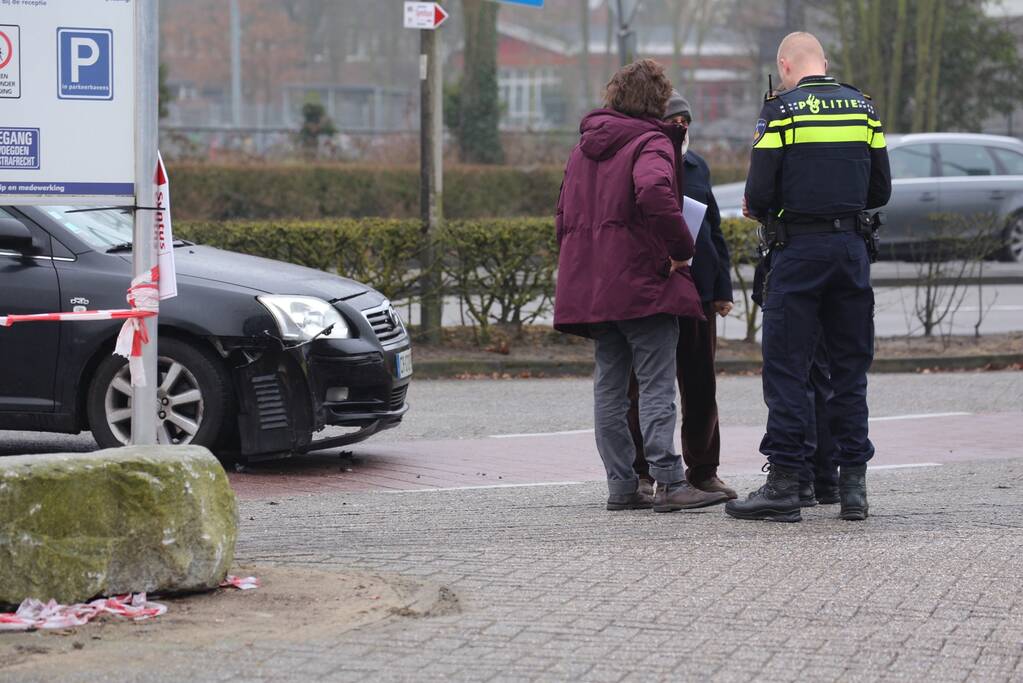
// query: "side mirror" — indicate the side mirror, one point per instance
point(14, 236)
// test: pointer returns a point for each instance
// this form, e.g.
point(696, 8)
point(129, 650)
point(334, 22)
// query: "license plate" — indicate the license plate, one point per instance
point(403, 363)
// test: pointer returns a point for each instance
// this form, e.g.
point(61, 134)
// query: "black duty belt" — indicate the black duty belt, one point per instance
point(847, 224)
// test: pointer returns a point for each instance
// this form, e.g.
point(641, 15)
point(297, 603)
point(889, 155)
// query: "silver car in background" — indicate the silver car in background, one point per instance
point(964, 176)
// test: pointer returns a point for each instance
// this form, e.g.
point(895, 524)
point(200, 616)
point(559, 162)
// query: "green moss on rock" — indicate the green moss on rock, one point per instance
point(141, 518)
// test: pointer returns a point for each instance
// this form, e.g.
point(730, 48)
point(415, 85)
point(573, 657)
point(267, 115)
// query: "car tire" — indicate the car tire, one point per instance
point(1012, 240)
point(194, 397)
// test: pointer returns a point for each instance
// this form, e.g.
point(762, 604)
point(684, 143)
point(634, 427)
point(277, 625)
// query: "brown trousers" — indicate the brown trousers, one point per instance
point(697, 383)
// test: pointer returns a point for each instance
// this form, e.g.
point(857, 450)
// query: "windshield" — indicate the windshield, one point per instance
point(100, 229)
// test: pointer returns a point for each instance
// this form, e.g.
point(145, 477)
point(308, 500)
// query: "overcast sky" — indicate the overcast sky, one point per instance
point(1010, 7)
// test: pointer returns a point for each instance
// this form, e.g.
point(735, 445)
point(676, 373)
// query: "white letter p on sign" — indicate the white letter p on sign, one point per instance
point(80, 57)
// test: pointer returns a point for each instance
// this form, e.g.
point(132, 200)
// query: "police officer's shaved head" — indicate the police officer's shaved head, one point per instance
point(800, 54)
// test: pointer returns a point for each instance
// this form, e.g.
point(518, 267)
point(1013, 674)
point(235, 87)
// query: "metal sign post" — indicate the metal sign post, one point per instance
point(426, 17)
point(144, 250)
point(626, 11)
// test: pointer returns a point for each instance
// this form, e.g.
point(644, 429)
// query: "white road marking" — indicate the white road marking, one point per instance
point(890, 418)
point(1006, 308)
point(899, 467)
point(919, 416)
point(492, 486)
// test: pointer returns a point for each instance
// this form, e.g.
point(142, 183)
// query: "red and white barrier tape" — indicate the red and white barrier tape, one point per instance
point(144, 299)
point(35, 614)
point(243, 583)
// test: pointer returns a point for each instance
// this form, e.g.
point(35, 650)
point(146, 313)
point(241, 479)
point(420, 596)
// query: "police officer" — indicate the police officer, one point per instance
point(819, 160)
point(819, 483)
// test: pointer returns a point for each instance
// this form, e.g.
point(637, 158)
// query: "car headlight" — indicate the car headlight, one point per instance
point(303, 317)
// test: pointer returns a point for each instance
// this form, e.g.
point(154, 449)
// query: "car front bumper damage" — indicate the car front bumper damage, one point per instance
point(286, 395)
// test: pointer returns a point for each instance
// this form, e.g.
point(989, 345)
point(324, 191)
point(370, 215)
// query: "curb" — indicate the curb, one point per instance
point(886, 282)
point(449, 369)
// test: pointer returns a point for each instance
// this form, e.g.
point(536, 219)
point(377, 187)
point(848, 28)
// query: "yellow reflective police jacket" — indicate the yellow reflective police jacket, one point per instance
point(818, 153)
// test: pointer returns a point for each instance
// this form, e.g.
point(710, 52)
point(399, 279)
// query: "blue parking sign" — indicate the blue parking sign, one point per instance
point(85, 64)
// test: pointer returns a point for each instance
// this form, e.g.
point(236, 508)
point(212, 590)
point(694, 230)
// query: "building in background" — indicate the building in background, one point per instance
point(356, 59)
point(540, 87)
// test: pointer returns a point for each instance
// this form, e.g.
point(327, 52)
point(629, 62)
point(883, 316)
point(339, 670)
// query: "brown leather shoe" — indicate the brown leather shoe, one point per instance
point(714, 485)
point(646, 487)
point(684, 497)
point(631, 501)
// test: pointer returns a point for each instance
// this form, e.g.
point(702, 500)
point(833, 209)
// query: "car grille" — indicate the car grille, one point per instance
point(386, 325)
point(269, 402)
point(398, 397)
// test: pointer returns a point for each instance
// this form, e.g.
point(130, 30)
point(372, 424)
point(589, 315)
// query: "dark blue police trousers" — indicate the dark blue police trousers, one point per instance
point(818, 288)
point(820, 469)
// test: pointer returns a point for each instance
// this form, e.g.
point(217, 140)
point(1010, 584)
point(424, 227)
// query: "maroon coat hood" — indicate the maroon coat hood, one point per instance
point(605, 131)
point(619, 219)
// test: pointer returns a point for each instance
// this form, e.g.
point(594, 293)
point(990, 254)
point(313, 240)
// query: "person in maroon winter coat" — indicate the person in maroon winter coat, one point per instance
point(622, 279)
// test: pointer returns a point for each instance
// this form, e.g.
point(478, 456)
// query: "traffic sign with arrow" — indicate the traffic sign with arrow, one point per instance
point(424, 15)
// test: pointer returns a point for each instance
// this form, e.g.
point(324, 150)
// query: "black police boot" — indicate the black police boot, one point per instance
point(852, 489)
point(826, 495)
point(777, 500)
point(807, 499)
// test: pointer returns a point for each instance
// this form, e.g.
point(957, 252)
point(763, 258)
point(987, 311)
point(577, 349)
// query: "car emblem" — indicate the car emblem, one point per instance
point(79, 300)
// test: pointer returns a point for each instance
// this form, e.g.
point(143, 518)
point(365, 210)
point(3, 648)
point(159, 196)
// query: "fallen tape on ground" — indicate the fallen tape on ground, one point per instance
point(35, 614)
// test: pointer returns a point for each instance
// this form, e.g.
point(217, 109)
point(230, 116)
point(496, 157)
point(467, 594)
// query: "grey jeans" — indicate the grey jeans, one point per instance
point(646, 345)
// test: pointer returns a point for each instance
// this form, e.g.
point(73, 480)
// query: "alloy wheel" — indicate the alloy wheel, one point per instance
point(179, 404)
point(1014, 241)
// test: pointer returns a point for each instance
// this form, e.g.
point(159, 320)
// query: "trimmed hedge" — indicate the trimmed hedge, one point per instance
point(379, 252)
point(503, 270)
point(315, 191)
point(743, 238)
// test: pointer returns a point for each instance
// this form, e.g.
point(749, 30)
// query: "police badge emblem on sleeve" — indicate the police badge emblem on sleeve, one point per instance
point(759, 131)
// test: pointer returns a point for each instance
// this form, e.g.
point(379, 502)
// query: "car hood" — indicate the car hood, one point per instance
point(262, 274)
point(729, 198)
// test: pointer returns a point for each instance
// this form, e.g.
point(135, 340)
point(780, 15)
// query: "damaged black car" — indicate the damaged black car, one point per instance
point(256, 357)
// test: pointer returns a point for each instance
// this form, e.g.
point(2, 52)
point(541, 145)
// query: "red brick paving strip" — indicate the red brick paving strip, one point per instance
point(398, 466)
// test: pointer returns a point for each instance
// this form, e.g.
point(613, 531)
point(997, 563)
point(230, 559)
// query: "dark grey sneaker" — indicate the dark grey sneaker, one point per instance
point(685, 496)
point(632, 501)
point(776, 501)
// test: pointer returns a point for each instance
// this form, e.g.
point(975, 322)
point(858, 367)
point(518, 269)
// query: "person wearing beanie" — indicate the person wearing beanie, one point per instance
point(697, 340)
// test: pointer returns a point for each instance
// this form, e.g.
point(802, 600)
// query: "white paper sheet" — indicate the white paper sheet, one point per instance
point(693, 212)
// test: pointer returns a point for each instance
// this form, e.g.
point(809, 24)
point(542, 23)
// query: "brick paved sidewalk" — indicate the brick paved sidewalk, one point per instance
point(553, 587)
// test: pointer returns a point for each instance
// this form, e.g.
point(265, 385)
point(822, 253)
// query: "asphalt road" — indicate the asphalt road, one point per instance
point(452, 409)
point(460, 409)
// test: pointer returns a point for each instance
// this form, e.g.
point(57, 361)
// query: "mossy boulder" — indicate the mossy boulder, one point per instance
point(143, 518)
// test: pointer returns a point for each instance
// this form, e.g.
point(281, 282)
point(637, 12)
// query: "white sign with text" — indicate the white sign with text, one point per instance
point(424, 15)
point(67, 94)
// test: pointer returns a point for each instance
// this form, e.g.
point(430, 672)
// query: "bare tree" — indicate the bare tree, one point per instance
point(584, 55)
point(898, 52)
point(931, 104)
point(947, 264)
